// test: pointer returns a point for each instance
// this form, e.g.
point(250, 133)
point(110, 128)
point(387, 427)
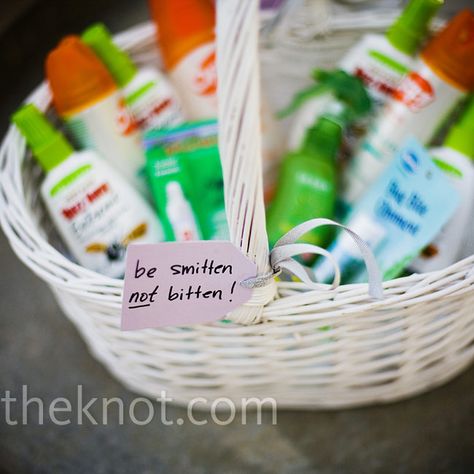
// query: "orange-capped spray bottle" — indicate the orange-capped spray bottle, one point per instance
point(186, 38)
point(88, 100)
point(187, 42)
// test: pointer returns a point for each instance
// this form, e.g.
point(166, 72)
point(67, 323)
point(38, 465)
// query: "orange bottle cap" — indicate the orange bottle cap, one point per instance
point(77, 78)
point(183, 25)
point(451, 53)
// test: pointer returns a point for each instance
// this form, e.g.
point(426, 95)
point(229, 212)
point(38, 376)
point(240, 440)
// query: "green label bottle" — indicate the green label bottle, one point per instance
point(307, 185)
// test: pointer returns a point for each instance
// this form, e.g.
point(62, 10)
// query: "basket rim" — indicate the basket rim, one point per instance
point(28, 243)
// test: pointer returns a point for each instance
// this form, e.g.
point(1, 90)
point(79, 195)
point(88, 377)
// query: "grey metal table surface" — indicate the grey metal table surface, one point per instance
point(40, 349)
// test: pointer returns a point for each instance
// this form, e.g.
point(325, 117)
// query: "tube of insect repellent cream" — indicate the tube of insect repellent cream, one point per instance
point(399, 214)
point(190, 152)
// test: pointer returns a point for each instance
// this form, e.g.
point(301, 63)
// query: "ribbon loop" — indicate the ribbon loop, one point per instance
point(282, 257)
point(287, 247)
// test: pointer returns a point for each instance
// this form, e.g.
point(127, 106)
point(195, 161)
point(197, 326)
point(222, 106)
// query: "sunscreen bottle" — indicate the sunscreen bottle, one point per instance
point(307, 184)
point(148, 94)
point(455, 158)
point(96, 212)
point(87, 98)
point(420, 105)
point(187, 43)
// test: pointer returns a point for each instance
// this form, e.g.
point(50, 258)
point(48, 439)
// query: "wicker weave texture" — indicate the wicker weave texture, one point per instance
point(334, 348)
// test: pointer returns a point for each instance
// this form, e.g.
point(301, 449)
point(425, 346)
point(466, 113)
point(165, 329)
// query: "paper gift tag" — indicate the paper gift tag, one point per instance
point(183, 283)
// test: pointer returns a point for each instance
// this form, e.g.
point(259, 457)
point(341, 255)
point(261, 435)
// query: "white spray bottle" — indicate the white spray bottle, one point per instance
point(455, 158)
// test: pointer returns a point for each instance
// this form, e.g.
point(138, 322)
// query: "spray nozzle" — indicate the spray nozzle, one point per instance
point(47, 144)
point(117, 61)
point(461, 135)
point(348, 90)
point(411, 27)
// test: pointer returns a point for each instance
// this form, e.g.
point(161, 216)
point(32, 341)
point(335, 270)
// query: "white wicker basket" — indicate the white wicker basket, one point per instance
point(333, 348)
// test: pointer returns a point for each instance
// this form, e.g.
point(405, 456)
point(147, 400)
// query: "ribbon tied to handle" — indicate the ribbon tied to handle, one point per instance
point(287, 247)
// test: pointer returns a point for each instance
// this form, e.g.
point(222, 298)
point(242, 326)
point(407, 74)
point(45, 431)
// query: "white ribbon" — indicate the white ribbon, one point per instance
point(281, 257)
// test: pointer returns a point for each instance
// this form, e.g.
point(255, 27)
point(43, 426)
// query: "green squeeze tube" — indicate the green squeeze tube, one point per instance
point(307, 185)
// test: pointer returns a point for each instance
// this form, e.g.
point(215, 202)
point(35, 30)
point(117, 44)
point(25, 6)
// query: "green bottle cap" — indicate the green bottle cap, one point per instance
point(323, 138)
point(118, 62)
point(412, 26)
point(48, 144)
point(461, 135)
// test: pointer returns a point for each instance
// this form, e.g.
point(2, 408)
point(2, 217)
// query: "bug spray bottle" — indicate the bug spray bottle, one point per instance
point(86, 97)
point(381, 61)
point(187, 42)
point(148, 94)
point(420, 105)
point(186, 39)
point(456, 159)
point(96, 212)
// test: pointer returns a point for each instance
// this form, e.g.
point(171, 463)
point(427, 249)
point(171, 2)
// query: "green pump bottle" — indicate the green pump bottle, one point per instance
point(307, 185)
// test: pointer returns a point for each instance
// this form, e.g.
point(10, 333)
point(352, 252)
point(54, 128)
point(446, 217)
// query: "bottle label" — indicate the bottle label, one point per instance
point(205, 79)
point(381, 74)
point(195, 79)
point(95, 220)
point(411, 201)
point(126, 125)
point(419, 106)
point(415, 92)
point(154, 105)
point(108, 128)
point(444, 249)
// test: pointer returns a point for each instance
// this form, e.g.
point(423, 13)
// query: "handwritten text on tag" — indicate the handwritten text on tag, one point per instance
point(183, 283)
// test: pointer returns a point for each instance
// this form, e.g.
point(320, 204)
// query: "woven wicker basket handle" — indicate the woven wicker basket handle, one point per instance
point(240, 140)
